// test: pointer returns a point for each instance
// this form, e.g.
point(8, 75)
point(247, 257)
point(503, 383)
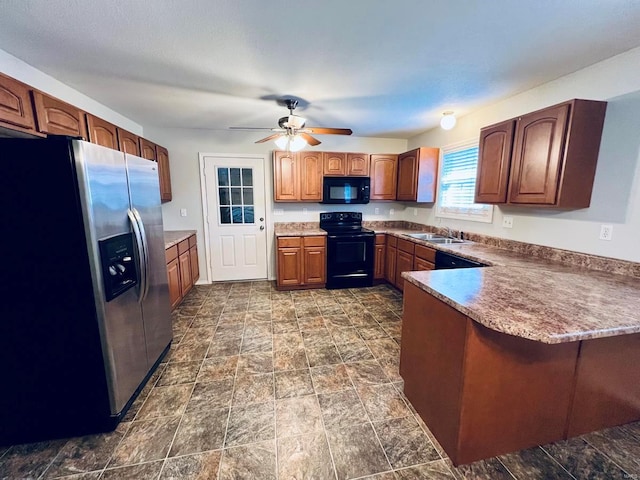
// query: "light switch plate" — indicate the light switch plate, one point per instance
point(183, 212)
point(278, 211)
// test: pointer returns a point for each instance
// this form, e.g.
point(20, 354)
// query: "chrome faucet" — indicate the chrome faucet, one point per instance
point(449, 232)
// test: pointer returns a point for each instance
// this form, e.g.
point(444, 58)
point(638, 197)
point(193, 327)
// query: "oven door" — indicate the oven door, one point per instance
point(350, 260)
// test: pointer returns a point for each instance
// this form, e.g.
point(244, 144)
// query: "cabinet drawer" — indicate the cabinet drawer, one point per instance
point(392, 241)
point(420, 265)
point(193, 241)
point(313, 241)
point(183, 246)
point(289, 242)
point(426, 253)
point(406, 246)
point(171, 253)
point(381, 239)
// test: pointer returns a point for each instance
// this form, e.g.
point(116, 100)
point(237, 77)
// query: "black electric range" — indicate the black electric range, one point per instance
point(350, 250)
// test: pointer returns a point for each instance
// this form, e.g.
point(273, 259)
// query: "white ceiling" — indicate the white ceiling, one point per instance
point(383, 68)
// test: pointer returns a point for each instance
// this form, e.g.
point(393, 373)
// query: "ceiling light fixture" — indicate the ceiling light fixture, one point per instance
point(448, 120)
point(291, 143)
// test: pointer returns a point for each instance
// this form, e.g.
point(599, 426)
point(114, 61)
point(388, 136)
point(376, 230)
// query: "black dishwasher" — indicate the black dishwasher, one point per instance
point(446, 260)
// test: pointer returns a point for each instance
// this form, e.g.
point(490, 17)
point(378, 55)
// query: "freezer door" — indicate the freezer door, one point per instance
point(144, 193)
point(104, 194)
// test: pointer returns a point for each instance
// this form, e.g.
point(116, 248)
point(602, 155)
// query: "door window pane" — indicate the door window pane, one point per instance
point(225, 215)
point(237, 214)
point(223, 177)
point(247, 177)
point(236, 196)
point(225, 198)
point(247, 196)
point(235, 177)
point(248, 214)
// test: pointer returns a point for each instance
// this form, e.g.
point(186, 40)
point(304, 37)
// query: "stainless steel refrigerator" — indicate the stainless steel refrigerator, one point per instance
point(85, 305)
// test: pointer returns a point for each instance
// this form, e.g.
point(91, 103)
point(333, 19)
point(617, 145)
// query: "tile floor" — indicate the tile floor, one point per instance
point(263, 385)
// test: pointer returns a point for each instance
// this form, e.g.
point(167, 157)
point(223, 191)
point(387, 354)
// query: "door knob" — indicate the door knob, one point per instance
point(261, 227)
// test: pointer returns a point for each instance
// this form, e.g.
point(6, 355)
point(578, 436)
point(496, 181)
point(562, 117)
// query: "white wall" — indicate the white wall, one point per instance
point(16, 68)
point(184, 146)
point(616, 197)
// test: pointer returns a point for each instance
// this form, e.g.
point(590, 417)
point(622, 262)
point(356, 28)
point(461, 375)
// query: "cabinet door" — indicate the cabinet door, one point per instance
point(494, 161)
point(185, 273)
point(537, 156)
point(16, 108)
point(404, 263)
point(59, 118)
point(378, 261)
point(310, 176)
point(173, 274)
point(390, 265)
point(148, 150)
point(289, 266)
point(128, 142)
point(286, 187)
point(315, 261)
point(193, 263)
point(102, 132)
point(335, 164)
point(421, 264)
point(358, 164)
point(383, 177)
point(408, 176)
point(164, 173)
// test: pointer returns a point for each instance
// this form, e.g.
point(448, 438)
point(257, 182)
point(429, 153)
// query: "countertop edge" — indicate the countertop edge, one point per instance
point(173, 237)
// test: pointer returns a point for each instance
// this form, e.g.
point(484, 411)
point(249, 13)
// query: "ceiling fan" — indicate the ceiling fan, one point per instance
point(292, 133)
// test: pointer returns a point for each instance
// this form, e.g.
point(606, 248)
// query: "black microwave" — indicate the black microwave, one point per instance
point(345, 189)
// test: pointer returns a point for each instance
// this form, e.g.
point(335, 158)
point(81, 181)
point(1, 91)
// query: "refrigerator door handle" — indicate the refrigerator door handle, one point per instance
point(141, 253)
point(145, 248)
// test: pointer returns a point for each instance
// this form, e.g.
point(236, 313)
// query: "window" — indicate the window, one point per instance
point(457, 185)
point(235, 192)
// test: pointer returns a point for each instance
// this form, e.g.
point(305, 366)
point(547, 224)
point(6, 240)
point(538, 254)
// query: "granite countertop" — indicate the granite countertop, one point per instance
point(298, 229)
point(173, 237)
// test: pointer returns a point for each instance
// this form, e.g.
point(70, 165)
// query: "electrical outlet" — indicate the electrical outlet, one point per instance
point(376, 211)
point(278, 211)
point(183, 212)
point(415, 212)
point(392, 211)
point(606, 232)
point(507, 221)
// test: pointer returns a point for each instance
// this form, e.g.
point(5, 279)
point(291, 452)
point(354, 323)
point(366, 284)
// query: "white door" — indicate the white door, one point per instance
point(234, 209)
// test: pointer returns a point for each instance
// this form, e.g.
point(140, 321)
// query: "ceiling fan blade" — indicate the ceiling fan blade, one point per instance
point(270, 137)
point(328, 131)
point(310, 140)
point(258, 128)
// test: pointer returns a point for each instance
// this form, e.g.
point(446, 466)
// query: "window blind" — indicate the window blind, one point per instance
point(457, 186)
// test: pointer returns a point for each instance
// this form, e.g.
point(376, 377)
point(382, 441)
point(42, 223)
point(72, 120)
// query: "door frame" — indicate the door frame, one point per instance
point(205, 210)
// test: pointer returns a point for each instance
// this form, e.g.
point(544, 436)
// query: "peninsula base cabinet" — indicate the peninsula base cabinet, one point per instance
point(301, 262)
point(483, 393)
point(182, 269)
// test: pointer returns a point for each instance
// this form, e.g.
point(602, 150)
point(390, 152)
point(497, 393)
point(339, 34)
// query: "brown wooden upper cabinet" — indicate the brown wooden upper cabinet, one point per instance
point(128, 142)
point(164, 173)
point(148, 149)
point(297, 176)
point(384, 170)
point(553, 158)
point(417, 173)
point(16, 109)
point(59, 118)
point(494, 161)
point(102, 132)
point(349, 164)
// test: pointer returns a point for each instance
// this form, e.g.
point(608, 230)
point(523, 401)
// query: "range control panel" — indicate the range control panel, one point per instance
point(341, 216)
point(118, 266)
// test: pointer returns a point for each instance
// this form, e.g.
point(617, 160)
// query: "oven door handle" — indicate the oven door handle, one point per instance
point(349, 237)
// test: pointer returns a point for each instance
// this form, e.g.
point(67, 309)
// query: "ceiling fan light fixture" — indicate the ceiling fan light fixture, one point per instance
point(448, 120)
point(290, 143)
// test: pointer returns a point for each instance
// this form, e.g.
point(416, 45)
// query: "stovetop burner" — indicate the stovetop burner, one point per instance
point(343, 223)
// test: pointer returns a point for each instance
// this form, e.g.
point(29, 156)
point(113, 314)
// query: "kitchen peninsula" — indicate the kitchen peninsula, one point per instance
point(508, 357)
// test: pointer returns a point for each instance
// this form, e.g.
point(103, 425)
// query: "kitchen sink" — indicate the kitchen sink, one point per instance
point(434, 238)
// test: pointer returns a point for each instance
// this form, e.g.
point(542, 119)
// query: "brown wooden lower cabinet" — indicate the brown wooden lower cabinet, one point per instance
point(483, 393)
point(301, 262)
point(390, 260)
point(379, 256)
point(182, 269)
